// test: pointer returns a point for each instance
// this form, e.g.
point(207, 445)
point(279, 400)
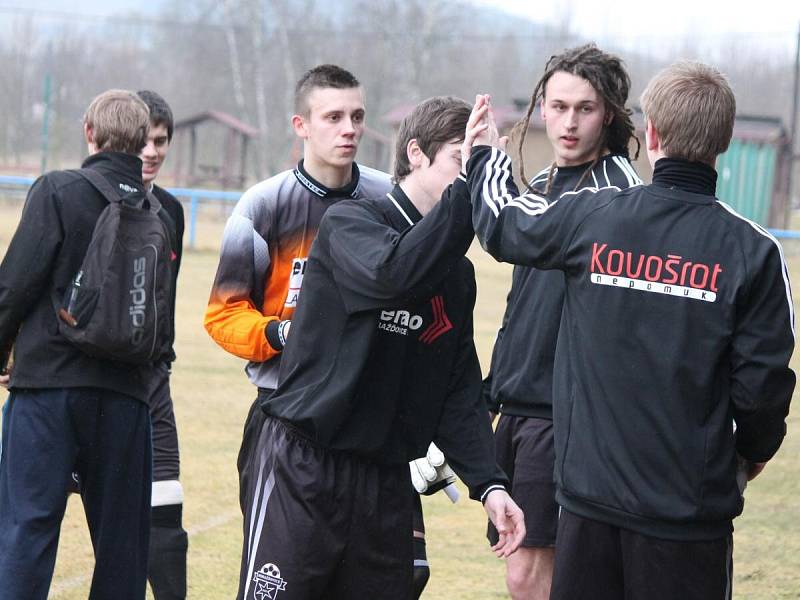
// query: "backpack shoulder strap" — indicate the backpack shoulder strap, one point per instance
point(155, 203)
point(161, 212)
point(100, 183)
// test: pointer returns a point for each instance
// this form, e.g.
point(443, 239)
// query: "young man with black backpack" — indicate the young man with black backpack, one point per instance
point(83, 407)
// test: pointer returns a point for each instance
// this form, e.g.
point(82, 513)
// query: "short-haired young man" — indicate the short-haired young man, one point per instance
point(582, 96)
point(67, 410)
point(330, 118)
point(678, 324)
point(266, 240)
point(381, 362)
point(166, 569)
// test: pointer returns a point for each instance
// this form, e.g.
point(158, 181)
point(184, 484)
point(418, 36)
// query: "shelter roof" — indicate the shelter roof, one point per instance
point(223, 118)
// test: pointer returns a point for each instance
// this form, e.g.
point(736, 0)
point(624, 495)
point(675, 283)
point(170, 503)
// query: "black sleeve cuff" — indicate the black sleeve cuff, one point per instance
point(275, 332)
point(271, 332)
point(762, 443)
point(489, 490)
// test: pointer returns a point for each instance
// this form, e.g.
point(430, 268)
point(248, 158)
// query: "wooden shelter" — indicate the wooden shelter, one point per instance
point(210, 149)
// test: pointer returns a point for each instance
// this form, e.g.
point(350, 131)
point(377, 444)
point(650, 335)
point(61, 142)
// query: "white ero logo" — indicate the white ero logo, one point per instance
point(402, 318)
point(138, 299)
point(399, 321)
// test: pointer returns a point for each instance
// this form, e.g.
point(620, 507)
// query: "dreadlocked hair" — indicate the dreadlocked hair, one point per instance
point(607, 75)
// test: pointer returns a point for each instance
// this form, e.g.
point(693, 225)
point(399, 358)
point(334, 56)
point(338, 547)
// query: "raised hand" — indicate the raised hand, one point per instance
point(481, 129)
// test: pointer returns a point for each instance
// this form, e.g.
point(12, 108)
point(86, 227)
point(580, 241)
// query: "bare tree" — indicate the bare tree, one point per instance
point(233, 52)
point(244, 56)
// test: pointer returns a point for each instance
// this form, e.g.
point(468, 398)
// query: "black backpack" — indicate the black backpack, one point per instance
point(117, 306)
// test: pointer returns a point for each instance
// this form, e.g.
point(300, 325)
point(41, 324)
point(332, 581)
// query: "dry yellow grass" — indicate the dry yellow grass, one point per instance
point(211, 399)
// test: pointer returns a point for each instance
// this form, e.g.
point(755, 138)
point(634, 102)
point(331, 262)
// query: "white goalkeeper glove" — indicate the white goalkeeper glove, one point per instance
point(431, 473)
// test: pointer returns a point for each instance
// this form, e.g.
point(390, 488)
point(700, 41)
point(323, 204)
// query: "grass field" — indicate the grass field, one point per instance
point(212, 397)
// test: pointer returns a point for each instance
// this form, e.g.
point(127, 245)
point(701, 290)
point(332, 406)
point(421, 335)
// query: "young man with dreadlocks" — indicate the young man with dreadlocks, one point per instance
point(582, 96)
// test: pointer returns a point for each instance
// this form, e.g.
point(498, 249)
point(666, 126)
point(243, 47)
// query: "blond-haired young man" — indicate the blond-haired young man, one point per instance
point(67, 410)
point(678, 324)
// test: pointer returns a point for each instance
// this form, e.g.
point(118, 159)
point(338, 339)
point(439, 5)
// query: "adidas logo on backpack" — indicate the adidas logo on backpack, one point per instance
point(118, 304)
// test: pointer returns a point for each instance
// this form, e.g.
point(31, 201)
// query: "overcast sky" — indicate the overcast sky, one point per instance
point(634, 16)
point(589, 17)
point(771, 24)
point(629, 22)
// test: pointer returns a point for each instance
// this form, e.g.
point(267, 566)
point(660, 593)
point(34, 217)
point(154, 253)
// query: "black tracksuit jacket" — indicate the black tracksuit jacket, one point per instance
point(381, 360)
point(176, 220)
point(677, 323)
point(520, 378)
point(44, 255)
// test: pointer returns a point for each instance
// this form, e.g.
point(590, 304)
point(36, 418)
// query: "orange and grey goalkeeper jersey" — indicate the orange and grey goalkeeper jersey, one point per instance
point(263, 258)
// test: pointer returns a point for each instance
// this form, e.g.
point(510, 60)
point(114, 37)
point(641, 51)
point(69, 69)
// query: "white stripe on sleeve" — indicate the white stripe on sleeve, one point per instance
point(495, 192)
point(784, 269)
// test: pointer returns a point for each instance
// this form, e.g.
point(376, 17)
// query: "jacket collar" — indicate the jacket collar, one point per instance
point(124, 171)
point(315, 187)
point(405, 208)
point(688, 176)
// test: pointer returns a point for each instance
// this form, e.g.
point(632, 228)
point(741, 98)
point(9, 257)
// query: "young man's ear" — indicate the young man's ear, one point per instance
point(88, 134)
point(299, 126)
point(651, 137)
point(415, 154)
point(608, 118)
point(542, 110)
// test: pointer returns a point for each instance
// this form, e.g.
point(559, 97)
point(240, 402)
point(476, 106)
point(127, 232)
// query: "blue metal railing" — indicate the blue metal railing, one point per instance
point(13, 180)
point(785, 234)
point(192, 196)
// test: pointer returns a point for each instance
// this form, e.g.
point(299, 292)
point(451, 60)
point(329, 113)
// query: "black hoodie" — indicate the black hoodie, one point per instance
point(381, 359)
point(44, 255)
